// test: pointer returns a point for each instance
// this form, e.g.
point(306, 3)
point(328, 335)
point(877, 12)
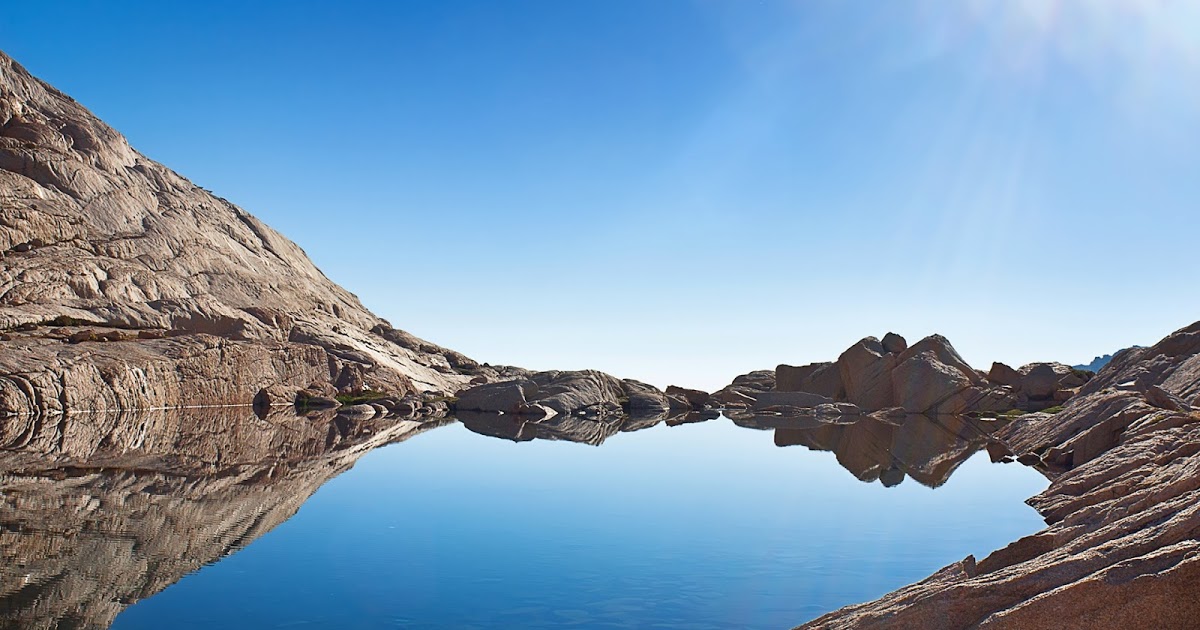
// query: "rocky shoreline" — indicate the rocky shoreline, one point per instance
point(1122, 549)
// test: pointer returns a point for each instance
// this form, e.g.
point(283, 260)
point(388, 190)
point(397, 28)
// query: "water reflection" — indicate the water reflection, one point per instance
point(87, 531)
point(882, 448)
point(83, 538)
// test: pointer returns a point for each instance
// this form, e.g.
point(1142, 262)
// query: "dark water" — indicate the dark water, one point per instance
point(691, 526)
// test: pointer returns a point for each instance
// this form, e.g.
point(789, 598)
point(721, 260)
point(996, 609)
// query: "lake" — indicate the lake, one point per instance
point(750, 522)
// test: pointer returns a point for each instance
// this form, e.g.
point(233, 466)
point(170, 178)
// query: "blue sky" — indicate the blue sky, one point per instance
point(684, 191)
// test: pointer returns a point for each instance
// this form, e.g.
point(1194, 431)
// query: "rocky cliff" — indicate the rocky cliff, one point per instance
point(124, 285)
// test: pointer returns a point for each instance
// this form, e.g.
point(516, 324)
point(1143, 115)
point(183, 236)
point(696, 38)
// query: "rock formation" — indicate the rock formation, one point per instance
point(123, 285)
point(928, 377)
point(1122, 549)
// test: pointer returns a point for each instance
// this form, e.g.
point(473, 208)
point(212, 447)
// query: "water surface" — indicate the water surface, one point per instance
point(700, 525)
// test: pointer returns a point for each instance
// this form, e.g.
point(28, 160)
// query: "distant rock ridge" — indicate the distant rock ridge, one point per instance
point(1099, 362)
point(929, 377)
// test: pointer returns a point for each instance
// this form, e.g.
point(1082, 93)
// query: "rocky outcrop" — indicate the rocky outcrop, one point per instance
point(743, 391)
point(103, 250)
point(1039, 386)
point(929, 377)
point(1122, 549)
point(574, 393)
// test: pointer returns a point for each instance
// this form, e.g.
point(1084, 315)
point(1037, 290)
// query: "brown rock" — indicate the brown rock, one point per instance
point(82, 336)
point(894, 343)
point(507, 397)
point(866, 373)
point(1161, 398)
point(693, 397)
point(1002, 374)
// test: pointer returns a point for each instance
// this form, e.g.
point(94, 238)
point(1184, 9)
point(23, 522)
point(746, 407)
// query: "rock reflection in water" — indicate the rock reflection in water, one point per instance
point(85, 532)
point(884, 448)
point(83, 538)
point(582, 429)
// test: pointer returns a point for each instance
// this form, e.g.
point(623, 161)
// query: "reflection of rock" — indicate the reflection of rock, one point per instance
point(559, 427)
point(1121, 550)
point(926, 448)
point(82, 536)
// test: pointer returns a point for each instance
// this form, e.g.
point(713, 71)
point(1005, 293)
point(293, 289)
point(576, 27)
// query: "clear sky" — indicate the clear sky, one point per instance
point(684, 191)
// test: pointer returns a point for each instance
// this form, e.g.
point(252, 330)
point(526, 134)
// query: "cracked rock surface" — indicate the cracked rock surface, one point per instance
point(103, 243)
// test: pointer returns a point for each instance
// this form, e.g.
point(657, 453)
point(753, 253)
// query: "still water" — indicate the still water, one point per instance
point(706, 525)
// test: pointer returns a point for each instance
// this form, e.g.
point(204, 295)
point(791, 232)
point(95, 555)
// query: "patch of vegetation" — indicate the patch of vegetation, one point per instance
point(1083, 374)
point(356, 398)
point(1054, 409)
point(1013, 413)
point(66, 320)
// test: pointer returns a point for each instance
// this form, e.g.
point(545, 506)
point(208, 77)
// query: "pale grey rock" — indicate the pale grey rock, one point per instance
point(506, 397)
point(97, 233)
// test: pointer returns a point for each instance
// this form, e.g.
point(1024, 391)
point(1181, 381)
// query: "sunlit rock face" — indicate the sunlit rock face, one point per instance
point(102, 251)
point(84, 535)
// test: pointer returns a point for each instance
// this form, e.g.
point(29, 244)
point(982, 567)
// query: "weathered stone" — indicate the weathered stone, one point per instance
point(1161, 398)
point(1002, 374)
point(643, 398)
point(818, 378)
point(866, 373)
point(790, 399)
point(894, 343)
point(923, 384)
point(694, 397)
point(121, 242)
point(506, 397)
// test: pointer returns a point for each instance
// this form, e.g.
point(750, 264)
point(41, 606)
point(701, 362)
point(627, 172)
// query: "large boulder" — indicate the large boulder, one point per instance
point(643, 399)
point(894, 343)
point(508, 397)
point(1002, 374)
point(866, 372)
point(1039, 381)
point(922, 384)
point(946, 354)
point(817, 378)
point(682, 397)
point(572, 392)
point(744, 390)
